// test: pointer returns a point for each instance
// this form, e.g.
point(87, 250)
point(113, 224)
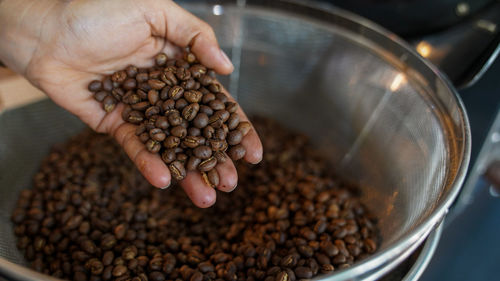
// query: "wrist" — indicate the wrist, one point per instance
point(21, 24)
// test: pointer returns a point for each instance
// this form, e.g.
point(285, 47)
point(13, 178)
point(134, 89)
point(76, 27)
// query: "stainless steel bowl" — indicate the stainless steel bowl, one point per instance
point(387, 119)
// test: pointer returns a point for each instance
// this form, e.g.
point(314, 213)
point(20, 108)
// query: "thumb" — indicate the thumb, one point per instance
point(184, 29)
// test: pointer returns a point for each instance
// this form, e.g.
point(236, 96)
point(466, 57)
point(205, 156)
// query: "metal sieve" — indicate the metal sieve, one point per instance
point(388, 120)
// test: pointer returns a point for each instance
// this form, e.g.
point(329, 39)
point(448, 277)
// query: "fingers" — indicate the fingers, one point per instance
point(197, 190)
point(228, 176)
point(150, 165)
point(184, 29)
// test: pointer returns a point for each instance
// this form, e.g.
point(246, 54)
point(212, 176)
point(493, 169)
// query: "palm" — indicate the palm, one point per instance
point(95, 41)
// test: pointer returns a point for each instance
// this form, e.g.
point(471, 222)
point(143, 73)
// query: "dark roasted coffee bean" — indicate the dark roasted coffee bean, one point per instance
point(178, 131)
point(129, 84)
point(222, 97)
point(216, 105)
point(119, 76)
point(233, 121)
point(169, 78)
point(131, 71)
point(244, 127)
point(237, 152)
point(176, 92)
point(119, 270)
point(100, 96)
point(211, 178)
point(109, 103)
point(193, 96)
point(107, 84)
point(220, 156)
point(193, 131)
point(182, 73)
point(142, 77)
point(172, 142)
point(208, 164)
point(174, 119)
point(144, 137)
point(206, 110)
point(168, 156)
point(177, 170)
point(197, 70)
point(231, 107)
point(193, 163)
point(161, 59)
point(189, 84)
point(218, 145)
point(156, 84)
point(180, 104)
point(205, 80)
point(162, 123)
point(303, 272)
point(192, 141)
point(117, 93)
point(181, 157)
point(234, 137)
point(214, 88)
point(202, 152)
point(208, 132)
point(190, 111)
point(135, 117)
point(152, 110)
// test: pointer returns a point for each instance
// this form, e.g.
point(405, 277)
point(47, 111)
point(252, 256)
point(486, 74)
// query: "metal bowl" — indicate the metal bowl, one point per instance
point(388, 120)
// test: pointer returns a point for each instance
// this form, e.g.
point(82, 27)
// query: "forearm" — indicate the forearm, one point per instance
point(21, 23)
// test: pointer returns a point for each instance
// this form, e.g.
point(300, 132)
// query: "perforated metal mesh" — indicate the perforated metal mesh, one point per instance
point(395, 129)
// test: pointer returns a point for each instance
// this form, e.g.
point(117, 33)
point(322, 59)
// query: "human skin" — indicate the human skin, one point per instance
point(60, 46)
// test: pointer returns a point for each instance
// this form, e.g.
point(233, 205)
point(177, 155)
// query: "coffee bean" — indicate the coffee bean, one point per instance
point(177, 170)
point(214, 88)
point(171, 142)
point(182, 73)
point(192, 141)
point(193, 96)
point(119, 76)
point(220, 156)
point(234, 137)
point(153, 146)
point(162, 123)
point(180, 104)
point(95, 86)
point(178, 131)
point(152, 110)
point(237, 152)
point(205, 80)
point(216, 105)
point(169, 78)
point(203, 152)
point(109, 103)
point(211, 178)
point(208, 164)
point(100, 96)
point(161, 59)
point(197, 70)
point(119, 270)
point(190, 111)
point(193, 163)
point(244, 127)
point(193, 131)
point(206, 110)
point(129, 84)
point(303, 272)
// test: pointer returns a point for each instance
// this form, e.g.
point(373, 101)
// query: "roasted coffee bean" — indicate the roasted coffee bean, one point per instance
point(131, 71)
point(193, 163)
point(208, 132)
point(180, 104)
point(214, 88)
point(206, 110)
point(189, 84)
point(95, 86)
point(156, 84)
point(197, 70)
point(208, 164)
point(216, 105)
point(231, 107)
point(303, 272)
point(152, 110)
point(135, 117)
point(205, 80)
point(161, 59)
point(237, 152)
point(211, 178)
point(177, 170)
point(169, 78)
point(190, 111)
point(144, 137)
point(174, 119)
point(234, 137)
point(119, 76)
point(171, 142)
point(100, 96)
point(168, 156)
point(176, 92)
point(244, 127)
point(193, 96)
point(162, 123)
point(202, 152)
point(178, 131)
point(193, 141)
point(129, 84)
point(109, 103)
point(233, 121)
point(182, 73)
point(193, 131)
point(220, 156)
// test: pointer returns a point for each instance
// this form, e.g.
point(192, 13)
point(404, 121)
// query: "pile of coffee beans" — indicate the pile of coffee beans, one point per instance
point(181, 113)
point(92, 216)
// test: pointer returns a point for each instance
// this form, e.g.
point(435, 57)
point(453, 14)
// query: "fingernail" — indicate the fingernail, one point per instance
point(226, 59)
point(165, 187)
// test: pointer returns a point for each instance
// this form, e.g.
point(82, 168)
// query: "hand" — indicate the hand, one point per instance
point(60, 46)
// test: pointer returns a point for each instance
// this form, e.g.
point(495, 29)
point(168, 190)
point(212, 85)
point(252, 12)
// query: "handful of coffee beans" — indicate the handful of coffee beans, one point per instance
point(181, 113)
point(92, 216)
